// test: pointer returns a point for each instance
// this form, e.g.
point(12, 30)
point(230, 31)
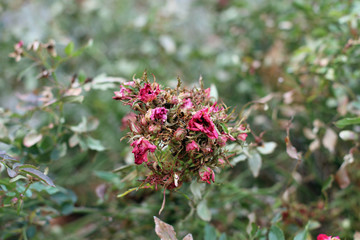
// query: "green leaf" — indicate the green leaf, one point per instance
point(276, 233)
point(223, 236)
point(210, 232)
point(203, 211)
point(301, 235)
point(72, 99)
point(107, 176)
point(94, 144)
point(69, 49)
point(347, 121)
point(328, 183)
point(196, 189)
point(38, 174)
point(58, 152)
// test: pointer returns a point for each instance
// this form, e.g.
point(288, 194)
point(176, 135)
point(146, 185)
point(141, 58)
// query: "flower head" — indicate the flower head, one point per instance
point(207, 175)
point(123, 94)
point(201, 122)
point(326, 237)
point(223, 139)
point(187, 104)
point(192, 146)
point(141, 148)
point(159, 113)
point(147, 93)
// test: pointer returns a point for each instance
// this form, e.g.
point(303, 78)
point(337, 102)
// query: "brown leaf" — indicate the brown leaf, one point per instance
point(329, 140)
point(290, 149)
point(342, 178)
point(31, 139)
point(163, 230)
point(188, 237)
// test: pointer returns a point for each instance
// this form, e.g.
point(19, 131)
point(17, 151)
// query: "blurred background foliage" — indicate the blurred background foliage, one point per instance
point(302, 56)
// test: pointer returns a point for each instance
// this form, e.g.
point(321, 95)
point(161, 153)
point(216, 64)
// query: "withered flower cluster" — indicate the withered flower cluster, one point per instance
point(177, 133)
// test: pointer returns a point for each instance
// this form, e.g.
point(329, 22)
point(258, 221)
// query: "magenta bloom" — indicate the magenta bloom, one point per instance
point(201, 122)
point(326, 237)
point(207, 175)
point(123, 94)
point(147, 93)
point(223, 139)
point(159, 113)
point(141, 148)
point(187, 104)
point(242, 136)
point(192, 146)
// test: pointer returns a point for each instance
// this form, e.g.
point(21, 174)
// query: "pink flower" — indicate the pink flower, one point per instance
point(123, 94)
point(207, 175)
point(201, 122)
point(154, 128)
point(19, 44)
point(325, 237)
point(207, 92)
point(242, 136)
point(192, 146)
point(131, 84)
point(147, 93)
point(159, 113)
point(187, 104)
point(223, 139)
point(241, 127)
point(214, 108)
point(141, 148)
point(221, 161)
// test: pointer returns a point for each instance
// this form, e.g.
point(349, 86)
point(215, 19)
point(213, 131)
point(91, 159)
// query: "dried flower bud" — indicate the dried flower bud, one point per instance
point(206, 175)
point(154, 128)
point(179, 134)
point(134, 128)
point(192, 146)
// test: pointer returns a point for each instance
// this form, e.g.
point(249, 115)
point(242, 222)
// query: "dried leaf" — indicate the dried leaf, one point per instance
point(255, 162)
point(329, 140)
point(290, 149)
point(163, 230)
point(314, 145)
point(267, 148)
point(188, 237)
point(31, 139)
point(342, 177)
point(347, 135)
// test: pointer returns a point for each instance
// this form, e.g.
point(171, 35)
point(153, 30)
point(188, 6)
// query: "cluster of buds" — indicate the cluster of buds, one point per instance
point(35, 46)
point(177, 133)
